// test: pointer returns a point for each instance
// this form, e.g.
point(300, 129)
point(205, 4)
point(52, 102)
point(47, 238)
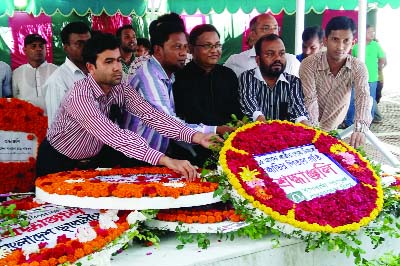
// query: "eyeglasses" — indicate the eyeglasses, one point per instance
point(210, 46)
point(267, 28)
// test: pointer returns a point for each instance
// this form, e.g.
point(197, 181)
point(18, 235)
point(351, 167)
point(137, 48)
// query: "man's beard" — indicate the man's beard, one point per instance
point(127, 49)
point(268, 71)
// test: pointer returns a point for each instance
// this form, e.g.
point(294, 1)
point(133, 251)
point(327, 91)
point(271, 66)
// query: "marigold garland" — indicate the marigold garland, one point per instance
point(20, 116)
point(190, 216)
point(88, 187)
point(349, 209)
point(66, 250)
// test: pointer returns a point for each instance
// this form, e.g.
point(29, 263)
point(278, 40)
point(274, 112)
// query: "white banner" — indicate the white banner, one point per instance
point(16, 147)
point(304, 173)
point(47, 223)
point(136, 178)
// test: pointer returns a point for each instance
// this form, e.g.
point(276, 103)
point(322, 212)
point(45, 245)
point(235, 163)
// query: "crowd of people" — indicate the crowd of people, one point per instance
point(128, 101)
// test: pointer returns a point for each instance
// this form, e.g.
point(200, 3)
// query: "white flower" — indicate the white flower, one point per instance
point(4, 252)
point(174, 184)
point(135, 216)
point(28, 249)
point(107, 220)
point(79, 180)
point(113, 214)
point(38, 201)
point(388, 180)
point(85, 234)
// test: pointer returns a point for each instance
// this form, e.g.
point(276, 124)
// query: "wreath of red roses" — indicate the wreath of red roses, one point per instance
point(20, 116)
point(349, 209)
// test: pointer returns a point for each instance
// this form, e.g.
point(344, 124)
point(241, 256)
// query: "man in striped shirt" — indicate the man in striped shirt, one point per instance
point(328, 78)
point(155, 78)
point(267, 92)
point(82, 127)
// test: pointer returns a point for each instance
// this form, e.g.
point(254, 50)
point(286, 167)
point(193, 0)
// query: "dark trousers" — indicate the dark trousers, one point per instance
point(49, 160)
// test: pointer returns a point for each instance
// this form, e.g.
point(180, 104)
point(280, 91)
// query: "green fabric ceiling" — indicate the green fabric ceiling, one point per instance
point(276, 6)
point(81, 7)
point(139, 7)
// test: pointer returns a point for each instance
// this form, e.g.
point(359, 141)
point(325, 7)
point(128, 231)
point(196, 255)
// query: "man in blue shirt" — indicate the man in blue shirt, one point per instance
point(5, 79)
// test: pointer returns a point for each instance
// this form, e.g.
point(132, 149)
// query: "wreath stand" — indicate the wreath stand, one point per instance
point(379, 145)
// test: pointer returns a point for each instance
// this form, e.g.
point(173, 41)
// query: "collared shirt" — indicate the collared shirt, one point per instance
point(327, 97)
point(135, 65)
point(58, 84)
point(82, 125)
point(126, 66)
point(155, 86)
point(247, 60)
point(284, 101)
point(28, 83)
point(5, 80)
point(139, 61)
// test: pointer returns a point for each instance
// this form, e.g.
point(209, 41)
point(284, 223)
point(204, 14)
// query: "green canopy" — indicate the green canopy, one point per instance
point(139, 7)
point(81, 7)
point(276, 6)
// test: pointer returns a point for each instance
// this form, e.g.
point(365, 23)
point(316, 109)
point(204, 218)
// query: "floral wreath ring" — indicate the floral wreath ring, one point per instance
point(343, 210)
point(20, 116)
point(137, 188)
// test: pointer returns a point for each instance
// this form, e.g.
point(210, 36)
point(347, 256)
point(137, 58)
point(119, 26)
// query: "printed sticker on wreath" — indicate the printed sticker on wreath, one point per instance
point(17, 146)
point(304, 173)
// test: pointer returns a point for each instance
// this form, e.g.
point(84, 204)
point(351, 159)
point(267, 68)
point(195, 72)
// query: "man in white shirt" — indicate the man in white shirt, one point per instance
point(28, 79)
point(260, 25)
point(73, 36)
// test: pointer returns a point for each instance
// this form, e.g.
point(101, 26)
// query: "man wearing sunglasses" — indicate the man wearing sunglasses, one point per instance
point(204, 91)
point(260, 25)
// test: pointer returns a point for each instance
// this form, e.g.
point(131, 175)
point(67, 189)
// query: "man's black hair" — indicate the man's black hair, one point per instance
point(98, 44)
point(199, 30)
point(144, 42)
point(265, 38)
point(162, 33)
point(124, 27)
point(169, 18)
point(312, 32)
point(340, 23)
point(77, 27)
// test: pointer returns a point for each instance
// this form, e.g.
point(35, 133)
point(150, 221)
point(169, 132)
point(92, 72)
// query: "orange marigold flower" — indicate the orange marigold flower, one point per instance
point(189, 219)
point(62, 259)
point(202, 219)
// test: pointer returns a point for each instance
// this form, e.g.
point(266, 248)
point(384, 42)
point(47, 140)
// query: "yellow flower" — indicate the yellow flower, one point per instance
point(337, 148)
point(247, 174)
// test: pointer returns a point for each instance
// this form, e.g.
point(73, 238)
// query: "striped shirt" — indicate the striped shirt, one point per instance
point(284, 101)
point(139, 61)
point(82, 125)
point(135, 65)
point(327, 97)
point(155, 86)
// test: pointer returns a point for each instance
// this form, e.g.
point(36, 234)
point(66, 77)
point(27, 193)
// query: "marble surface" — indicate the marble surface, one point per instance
point(243, 251)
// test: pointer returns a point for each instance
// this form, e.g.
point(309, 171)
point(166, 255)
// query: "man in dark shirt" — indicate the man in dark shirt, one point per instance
point(204, 91)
